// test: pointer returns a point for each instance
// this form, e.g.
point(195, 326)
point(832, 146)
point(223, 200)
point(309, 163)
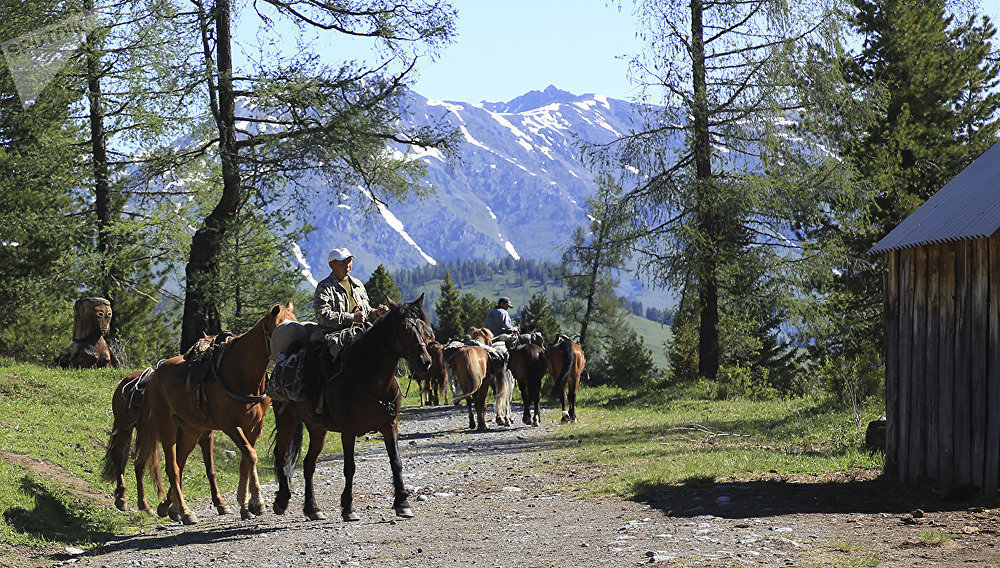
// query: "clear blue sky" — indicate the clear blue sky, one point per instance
point(505, 49)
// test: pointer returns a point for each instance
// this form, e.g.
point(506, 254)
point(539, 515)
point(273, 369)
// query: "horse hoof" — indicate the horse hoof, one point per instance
point(163, 509)
point(121, 505)
point(222, 509)
point(257, 508)
point(245, 514)
point(405, 512)
point(565, 417)
point(351, 516)
point(279, 509)
point(175, 517)
point(189, 518)
point(316, 516)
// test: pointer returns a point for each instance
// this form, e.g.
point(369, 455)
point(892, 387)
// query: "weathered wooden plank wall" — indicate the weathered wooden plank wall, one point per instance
point(942, 332)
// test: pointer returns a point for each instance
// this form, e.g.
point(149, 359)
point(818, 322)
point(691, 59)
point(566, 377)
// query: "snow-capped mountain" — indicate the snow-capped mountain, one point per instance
point(517, 186)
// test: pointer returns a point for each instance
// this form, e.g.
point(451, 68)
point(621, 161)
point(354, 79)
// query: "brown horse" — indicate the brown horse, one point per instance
point(470, 365)
point(528, 365)
point(363, 396)
point(177, 414)
point(433, 382)
point(566, 363)
point(125, 404)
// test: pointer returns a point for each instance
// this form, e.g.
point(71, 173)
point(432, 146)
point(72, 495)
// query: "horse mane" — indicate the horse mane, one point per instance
point(374, 337)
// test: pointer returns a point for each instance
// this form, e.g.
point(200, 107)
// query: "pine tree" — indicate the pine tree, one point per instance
point(906, 112)
point(537, 315)
point(450, 315)
point(381, 286)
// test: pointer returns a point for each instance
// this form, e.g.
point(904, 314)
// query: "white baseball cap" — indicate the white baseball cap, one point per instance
point(339, 254)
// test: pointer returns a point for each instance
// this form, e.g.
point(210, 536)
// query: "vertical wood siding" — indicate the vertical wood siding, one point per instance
point(942, 332)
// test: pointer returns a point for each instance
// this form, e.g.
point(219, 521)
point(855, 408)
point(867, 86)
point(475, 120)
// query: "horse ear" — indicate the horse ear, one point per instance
point(389, 301)
point(419, 301)
point(275, 310)
point(290, 306)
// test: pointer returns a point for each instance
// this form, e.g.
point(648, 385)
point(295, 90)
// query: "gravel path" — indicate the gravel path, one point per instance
point(482, 499)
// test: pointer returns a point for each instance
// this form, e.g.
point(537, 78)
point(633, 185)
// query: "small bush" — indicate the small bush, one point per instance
point(747, 382)
point(628, 363)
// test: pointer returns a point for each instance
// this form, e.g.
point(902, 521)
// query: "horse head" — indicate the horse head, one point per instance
point(482, 335)
point(412, 332)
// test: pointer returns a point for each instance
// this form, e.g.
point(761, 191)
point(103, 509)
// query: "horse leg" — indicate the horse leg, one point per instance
point(317, 438)
point(207, 443)
point(347, 497)
point(177, 507)
point(525, 402)
point(472, 415)
point(390, 435)
point(250, 505)
point(480, 400)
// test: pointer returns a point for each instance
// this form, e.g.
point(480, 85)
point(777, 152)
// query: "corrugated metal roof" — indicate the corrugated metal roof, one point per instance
point(967, 207)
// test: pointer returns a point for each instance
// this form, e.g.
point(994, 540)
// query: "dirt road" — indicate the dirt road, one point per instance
point(489, 499)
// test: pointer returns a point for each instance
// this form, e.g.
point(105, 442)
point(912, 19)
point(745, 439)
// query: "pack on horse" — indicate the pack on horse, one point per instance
point(357, 394)
point(177, 410)
point(566, 363)
point(476, 370)
point(125, 406)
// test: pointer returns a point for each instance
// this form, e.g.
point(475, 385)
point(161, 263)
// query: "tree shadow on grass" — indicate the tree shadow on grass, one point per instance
point(55, 515)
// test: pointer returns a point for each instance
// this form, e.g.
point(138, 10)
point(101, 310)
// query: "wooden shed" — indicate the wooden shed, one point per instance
point(942, 335)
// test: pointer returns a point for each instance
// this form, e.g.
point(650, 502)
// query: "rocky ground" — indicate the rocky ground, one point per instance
point(489, 499)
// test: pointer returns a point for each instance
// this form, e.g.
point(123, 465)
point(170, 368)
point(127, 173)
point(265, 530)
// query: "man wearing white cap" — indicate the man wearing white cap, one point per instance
point(341, 300)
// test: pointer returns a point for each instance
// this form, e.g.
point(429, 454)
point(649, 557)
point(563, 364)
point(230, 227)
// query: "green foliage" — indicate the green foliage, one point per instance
point(628, 363)
point(474, 310)
point(682, 352)
point(750, 382)
point(450, 315)
point(381, 286)
point(853, 382)
point(905, 111)
point(537, 315)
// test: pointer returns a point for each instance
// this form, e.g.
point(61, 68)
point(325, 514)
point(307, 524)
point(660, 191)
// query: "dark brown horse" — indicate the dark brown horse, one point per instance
point(125, 405)
point(566, 363)
point(433, 382)
point(176, 413)
point(528, 365)
point(362, 396)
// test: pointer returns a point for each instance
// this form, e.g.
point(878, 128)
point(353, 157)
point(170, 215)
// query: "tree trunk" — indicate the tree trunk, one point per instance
point(102, 189)
point(201, 304)
point(708, 331)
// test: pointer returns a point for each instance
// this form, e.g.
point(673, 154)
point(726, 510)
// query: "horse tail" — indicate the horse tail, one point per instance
point(120, 439)
point(147, 454)
point(292, 452)
point(569, 357)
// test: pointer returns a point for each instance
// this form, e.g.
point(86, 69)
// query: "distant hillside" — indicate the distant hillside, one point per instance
point(519, 280)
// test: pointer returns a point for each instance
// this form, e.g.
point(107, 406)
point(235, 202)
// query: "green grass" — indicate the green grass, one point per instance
point(642, 442)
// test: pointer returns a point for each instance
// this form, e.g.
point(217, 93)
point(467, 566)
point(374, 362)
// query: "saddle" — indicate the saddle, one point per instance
point(202, 360)
point(137, 389)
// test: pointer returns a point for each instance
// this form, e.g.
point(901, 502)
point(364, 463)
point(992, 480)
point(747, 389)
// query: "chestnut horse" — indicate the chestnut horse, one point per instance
point(125, 407)
point(469, 365)
point(528, 365)
point(363, 396)
point(177, 415)
point(566, 363)
point(433, 382)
